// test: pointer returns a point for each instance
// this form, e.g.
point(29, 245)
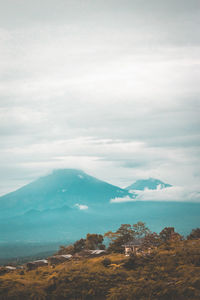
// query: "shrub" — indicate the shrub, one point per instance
point(106, 262)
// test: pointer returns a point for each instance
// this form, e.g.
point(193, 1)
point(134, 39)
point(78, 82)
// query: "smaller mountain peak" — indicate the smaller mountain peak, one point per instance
point(150, 183)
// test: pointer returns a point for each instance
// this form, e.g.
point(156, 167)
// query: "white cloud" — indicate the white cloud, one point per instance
point(81, 206)
point(122, 199)
point(174, 193)
point(80, 90)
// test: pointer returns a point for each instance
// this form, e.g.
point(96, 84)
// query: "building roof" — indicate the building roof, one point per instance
point(136, 242)
point(67, 256)
point(41, 261)
point(97, 252)
point(10, 268)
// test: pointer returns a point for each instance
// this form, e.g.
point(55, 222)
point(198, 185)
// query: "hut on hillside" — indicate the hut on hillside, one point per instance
point(36, 264)
point(59, 259)
point(133, 247)
point(89, 253)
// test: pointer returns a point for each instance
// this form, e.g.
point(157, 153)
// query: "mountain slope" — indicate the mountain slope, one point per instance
point(65, 187)
point(68, 204)
point(151, 184)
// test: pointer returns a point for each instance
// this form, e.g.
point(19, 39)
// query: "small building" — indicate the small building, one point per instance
point(89, 253)
point(36, 264)
point(97, 252)
point(58, 259)
point(133, 246)
point(6, 269)
point(10, 268)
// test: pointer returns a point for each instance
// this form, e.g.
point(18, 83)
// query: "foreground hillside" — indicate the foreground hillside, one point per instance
point(171, 271)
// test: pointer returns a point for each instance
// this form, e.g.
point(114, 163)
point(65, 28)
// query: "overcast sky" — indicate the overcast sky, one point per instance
point(111, 87)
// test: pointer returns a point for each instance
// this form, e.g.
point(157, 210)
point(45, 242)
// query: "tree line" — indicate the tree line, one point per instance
point(115, 240)
point(170, 272)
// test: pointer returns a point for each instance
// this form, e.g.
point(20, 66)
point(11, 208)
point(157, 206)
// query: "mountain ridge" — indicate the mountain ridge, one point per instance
point(67, 204)
point(57, 189)
point(150, 183)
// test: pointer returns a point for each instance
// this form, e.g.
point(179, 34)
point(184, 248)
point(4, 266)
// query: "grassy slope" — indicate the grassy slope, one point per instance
point(171, 272)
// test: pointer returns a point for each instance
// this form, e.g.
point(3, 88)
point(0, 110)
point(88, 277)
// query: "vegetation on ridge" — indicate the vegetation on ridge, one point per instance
point(170, 271)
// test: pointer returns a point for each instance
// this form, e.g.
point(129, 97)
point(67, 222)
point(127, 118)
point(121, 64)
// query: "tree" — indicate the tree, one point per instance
point(140, 230)
point(94, 241)
point(151, 240)
point(125, 234)
point(119, 238)
point(79, 245)
point(131, 263)
point(66, 250)
point(166, 234)
point(195, 234)
point(106, 262)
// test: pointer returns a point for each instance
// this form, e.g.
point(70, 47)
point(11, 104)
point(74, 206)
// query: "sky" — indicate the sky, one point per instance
point(110, 87)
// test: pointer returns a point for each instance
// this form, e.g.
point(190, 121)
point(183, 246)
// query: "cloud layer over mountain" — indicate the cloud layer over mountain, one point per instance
point(110, 87)
point(174, 193)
